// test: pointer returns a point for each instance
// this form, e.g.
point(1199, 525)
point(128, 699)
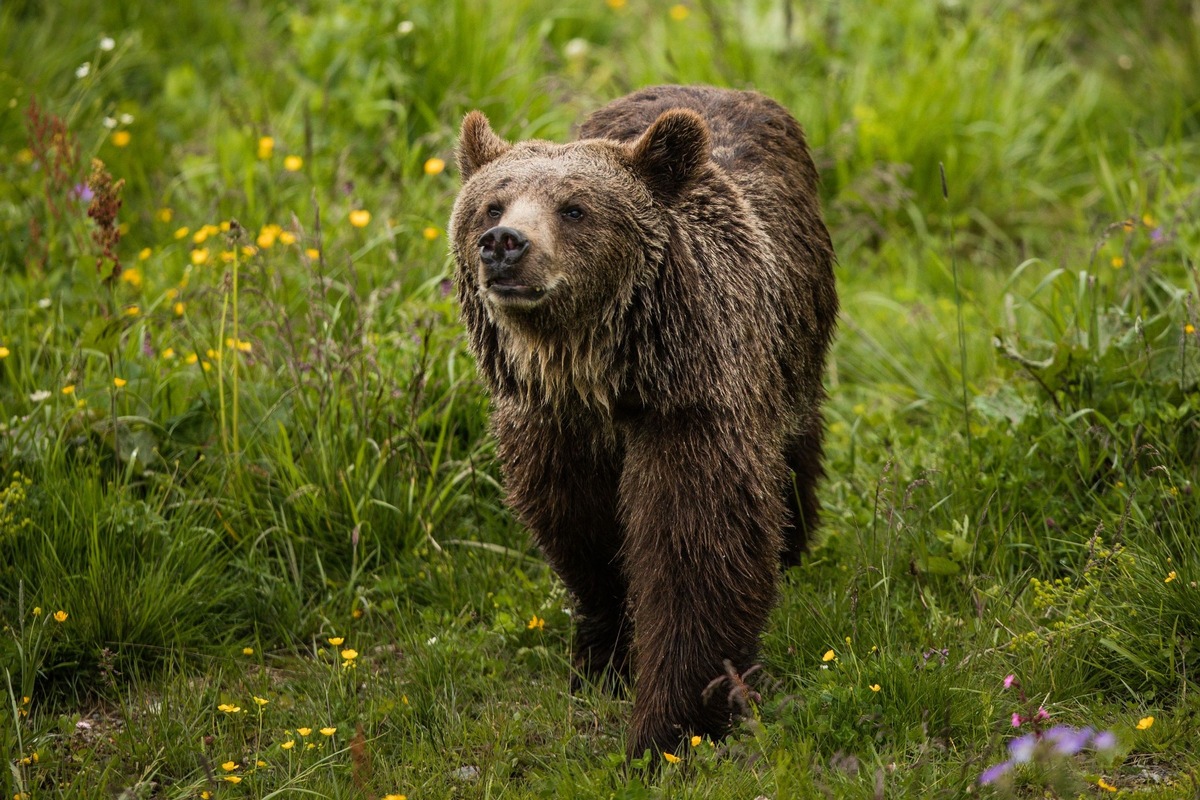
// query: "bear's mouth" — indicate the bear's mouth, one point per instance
point(511, 292)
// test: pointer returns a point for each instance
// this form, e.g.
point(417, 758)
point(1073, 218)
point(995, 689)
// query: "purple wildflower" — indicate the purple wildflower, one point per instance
point(1021, 749)
point(992, 773)
point(82, 192)
point(1068, 741)
point(1105, 741)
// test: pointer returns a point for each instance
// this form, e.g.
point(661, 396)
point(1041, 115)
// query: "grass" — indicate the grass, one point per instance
point(264, 433)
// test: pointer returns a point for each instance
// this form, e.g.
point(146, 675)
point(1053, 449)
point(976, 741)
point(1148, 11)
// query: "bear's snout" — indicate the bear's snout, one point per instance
point(501, 247)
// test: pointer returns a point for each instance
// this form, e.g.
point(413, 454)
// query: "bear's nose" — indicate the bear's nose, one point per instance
point(502, 247)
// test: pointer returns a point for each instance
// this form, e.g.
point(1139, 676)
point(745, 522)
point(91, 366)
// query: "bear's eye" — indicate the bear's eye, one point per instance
point(495, 211)
point(573, 213)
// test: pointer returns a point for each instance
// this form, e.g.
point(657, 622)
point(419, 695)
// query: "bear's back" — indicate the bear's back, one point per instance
point(754, 139)
point(761, 148)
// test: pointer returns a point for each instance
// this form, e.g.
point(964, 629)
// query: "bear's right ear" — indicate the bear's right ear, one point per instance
point(478, 144)
point(671, 153)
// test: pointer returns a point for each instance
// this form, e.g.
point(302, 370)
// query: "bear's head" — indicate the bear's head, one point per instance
point(556, 237)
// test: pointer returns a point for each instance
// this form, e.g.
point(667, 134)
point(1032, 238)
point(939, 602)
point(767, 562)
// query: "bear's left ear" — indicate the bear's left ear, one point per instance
point(478, 144)
point(670, 154)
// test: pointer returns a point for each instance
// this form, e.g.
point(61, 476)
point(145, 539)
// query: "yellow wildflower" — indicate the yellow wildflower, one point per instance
point(336, 640)
point(875, 687)
point(266, 146)
point(169, 353)
point(671, 758)
point(829, 655)
point(37, 611)
point(4, 352)
point(165, 214)
point(267, 235)
point(696, 740)
point(1170, 577)
point(133, 275)
point(616, 5)
point(260, 763)
point(679, 12)
point(349, 654)
point(144, 254)
point(178, 308)
point(328, 731)
point(394, 797)
point(430, 233)
point(1118, 262)
point(246, 651)
point(181, 233)
point(360, 217)
point(536, 623)
point(199, 256)
point(229, 708)
point(229, 766)
point(262, 701)
point(1108, 787)
point(293, 163)
point(1189, 328)
point(232, 778)
point(287, 237)
point(1144, 723)
point(356, 613)
point(434, 166)
point(119, 382)
point(304, 731)
point(69, 389)
point(121, 138)
point(133, 311)
point(313, 253)
point(288, 745)
point(1149, 221)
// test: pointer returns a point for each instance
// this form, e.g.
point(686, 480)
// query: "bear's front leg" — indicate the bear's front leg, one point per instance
point(703, 513)
point(561, 477)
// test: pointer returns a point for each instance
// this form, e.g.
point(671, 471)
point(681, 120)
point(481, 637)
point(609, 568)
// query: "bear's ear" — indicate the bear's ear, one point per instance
point(670, 154)
point(478, 144)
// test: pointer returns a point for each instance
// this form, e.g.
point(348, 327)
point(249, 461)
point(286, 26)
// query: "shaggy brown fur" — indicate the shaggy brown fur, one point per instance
point(651, 307)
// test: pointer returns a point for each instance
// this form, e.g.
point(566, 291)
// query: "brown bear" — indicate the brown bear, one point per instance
point(650, 307)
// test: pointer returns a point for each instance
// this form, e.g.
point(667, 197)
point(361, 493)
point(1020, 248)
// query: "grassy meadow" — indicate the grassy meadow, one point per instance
point(252, 541)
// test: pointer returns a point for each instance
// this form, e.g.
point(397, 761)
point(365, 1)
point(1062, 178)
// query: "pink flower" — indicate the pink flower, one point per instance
point(1009, 680)
point(1016, 720)
point(1041, 714)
